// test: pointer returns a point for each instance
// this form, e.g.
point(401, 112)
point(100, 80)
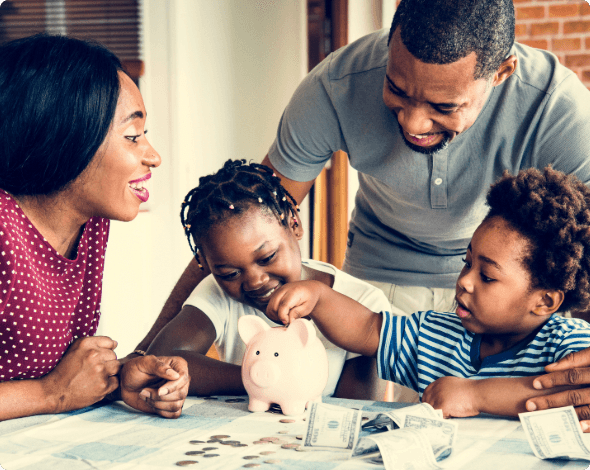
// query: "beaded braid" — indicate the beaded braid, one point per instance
point(232, 191)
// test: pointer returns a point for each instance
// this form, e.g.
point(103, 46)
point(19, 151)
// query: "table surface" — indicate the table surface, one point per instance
point(116, 437)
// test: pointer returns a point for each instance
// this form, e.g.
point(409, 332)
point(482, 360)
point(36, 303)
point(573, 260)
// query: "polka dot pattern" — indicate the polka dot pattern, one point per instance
point(46, 300)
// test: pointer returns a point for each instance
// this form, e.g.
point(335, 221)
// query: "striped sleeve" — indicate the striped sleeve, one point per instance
point(397, 352)
point(575, 336)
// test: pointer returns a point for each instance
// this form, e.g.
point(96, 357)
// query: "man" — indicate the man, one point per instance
point(430, 115)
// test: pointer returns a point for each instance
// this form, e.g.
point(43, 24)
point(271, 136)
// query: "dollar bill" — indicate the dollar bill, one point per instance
point(405, 449)
point(332, 427)
point(441, 433)
point(396, 418)
point(555, 433)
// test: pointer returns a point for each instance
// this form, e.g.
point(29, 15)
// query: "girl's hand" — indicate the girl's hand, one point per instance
point(294, 300)
point(455, 396)
point(85, 374)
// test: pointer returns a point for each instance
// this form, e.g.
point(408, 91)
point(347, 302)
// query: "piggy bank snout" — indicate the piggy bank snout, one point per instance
point(264, 373)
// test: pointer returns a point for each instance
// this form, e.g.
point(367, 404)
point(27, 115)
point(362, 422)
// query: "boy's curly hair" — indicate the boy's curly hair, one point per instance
point(231, 191)
point(552, 210)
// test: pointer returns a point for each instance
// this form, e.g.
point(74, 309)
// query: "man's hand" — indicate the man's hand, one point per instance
point(455, 396)
point(293, 300)
point(155, 384)
point(85, 374)
point(572, 370)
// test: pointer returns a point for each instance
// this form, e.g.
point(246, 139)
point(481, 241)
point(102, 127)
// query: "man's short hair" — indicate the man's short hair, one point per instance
point(444, 31)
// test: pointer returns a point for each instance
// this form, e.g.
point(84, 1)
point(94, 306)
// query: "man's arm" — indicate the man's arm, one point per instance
point(189, 279)
point(297, 189)
point(190, 335)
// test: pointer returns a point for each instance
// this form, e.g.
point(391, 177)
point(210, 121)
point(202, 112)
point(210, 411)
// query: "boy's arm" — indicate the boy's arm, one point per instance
point(342, 320)
point(190, 335)
point(460, 397)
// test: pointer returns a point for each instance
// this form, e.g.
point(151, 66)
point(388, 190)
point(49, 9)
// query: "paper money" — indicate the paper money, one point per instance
point(555, 433)
point(396, 418)
point(441, 433)
point(405, 449)
point(332, 428)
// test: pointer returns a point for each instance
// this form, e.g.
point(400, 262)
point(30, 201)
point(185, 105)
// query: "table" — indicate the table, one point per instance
point(114, 436)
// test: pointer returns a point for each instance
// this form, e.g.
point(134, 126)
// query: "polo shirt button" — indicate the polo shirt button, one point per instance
point(438, 181)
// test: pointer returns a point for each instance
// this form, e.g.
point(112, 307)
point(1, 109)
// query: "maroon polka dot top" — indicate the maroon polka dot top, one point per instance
point(46, 300)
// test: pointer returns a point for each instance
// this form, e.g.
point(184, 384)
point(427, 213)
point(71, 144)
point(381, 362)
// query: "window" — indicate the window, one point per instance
point(113, 23)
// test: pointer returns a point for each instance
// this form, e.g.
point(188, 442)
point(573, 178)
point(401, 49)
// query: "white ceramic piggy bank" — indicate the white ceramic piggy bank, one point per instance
point(286, 366)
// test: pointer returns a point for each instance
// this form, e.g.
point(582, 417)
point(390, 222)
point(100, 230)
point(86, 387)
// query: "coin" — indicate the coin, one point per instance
point(267, 452)
point(229, 443)
point(209, 448)
point(286, 420)
point(210, 455)
point(289, 446)
point(234, 400)
point(365, 418)
point(196, 442)
point(211, 441)
point(262, 442)
point(185, 463)
point(299, 436)
point(301, 449)
point(239, 445)
point(220, 436)
point(272, 461)
point(252, 465)
point(194, 452)
point(250, 457)
point(269, 439)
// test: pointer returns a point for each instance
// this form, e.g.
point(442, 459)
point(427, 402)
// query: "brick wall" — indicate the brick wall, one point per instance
point(562, 27)
point(559, 26)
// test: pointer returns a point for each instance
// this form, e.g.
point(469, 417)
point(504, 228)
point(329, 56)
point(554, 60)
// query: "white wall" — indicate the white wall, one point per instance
point(218, 76)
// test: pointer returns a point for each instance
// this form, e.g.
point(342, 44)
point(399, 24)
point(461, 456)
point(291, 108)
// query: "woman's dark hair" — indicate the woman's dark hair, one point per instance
point(552, 211)
point(232, 191)
point(58, 96)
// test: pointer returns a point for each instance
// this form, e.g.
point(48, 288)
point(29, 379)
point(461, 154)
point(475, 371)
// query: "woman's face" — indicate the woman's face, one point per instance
point(114, 184)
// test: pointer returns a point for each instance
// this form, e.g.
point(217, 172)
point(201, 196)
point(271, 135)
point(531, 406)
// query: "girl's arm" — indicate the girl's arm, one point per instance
point(85, 375)
point(344, 321)
point(190, 335)
point(189, 279)
point(459, 397)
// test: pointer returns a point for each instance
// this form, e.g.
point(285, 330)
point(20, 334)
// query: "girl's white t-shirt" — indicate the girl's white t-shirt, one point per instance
point(224, 312)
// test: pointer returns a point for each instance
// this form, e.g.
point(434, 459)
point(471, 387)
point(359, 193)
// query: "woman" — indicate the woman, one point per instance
point(73, 154)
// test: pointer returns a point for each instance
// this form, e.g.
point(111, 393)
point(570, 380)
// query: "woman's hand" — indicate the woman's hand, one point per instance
point(573, 369)
point(455, 396)
point(293, 300)
point(155, 384)
point(86, 373)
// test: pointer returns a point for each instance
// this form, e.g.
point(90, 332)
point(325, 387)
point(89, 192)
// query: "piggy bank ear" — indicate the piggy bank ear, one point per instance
point(304, 329)
point(249, 326)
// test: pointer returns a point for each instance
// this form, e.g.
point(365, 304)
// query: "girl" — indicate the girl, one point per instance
point(528, 259)
point(73, 155)
point(245, 231)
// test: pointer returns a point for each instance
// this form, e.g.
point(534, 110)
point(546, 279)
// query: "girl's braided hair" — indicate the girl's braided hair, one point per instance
point(552, 210)
point(232, 191)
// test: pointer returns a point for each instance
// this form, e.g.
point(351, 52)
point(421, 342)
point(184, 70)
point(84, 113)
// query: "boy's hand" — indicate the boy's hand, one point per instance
point(455, 396)
point(293, 300)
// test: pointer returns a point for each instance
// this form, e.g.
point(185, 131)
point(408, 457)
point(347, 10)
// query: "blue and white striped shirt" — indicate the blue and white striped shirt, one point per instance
point(416, 350)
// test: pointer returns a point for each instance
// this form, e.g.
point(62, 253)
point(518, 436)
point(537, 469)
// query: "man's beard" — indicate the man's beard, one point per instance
point(426, 150)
